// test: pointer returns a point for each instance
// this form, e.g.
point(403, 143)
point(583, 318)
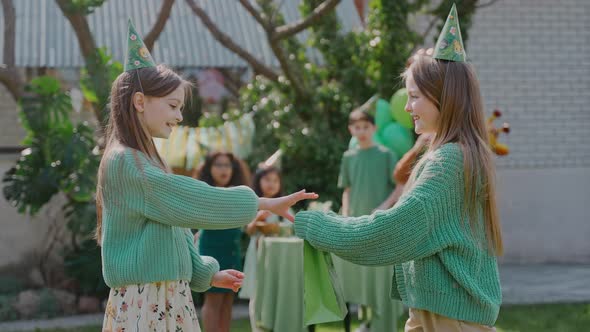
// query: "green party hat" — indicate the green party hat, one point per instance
point(138, 55)
point(449, 45)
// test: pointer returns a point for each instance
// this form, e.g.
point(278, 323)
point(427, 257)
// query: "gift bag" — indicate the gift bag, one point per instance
point(322, 292)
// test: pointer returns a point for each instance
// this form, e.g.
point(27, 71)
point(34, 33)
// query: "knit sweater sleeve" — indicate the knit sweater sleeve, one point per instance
point(414, 228)
point(204, 267)
point(178, 200)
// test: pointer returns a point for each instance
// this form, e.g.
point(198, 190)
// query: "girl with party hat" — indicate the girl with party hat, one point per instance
point(145, 212)
point(443, 235)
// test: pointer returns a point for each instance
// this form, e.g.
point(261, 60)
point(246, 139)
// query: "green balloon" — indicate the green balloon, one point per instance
point(398, 111)
point(377, 139)
point(398, 138)
point(382, 114)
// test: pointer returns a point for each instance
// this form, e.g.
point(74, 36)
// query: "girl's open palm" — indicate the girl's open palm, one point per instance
point(281, 205)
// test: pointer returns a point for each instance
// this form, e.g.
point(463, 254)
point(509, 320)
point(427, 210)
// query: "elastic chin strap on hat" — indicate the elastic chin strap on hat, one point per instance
point(139, 80)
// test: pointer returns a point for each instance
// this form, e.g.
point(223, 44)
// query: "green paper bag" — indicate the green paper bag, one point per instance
point(322, 293)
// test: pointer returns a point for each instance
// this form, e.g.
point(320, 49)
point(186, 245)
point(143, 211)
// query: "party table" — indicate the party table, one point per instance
point(279, 285)
point(279, 288)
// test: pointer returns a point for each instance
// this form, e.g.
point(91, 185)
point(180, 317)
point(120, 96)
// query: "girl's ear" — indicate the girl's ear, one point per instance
point(139, 101)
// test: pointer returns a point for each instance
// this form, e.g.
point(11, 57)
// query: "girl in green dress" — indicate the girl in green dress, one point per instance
point(221, 169)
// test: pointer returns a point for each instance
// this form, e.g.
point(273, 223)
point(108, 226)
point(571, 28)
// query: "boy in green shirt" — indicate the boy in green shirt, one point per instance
point(366, 175)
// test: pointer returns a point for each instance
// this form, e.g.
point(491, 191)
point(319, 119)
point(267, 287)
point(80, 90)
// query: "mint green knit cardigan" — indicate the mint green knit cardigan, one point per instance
point(147, 214)
point(439, 264)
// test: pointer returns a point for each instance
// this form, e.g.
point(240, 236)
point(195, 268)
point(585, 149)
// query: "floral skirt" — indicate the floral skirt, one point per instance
point(156, 307)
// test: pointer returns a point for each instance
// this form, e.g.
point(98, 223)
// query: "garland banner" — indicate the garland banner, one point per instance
point(187, 147)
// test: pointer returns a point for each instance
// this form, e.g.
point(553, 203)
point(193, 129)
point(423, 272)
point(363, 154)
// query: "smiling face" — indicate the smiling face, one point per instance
point(222, 170)
point(424, 112)
point(159, 115)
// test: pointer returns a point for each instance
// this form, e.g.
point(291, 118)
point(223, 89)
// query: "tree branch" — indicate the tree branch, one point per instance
point(9, 32)
point(486, 4)
point(291, 29)
point(11, 79)
point(9, 75)
point(228, 42)
point(430, 26)
point(291, 75)
point(158, 27)
point(81, 28)
point(258, 16)
point(86, 42)
point(232, 80)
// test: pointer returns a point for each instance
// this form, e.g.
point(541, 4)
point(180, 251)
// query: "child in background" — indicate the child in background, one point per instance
point(221, 169)
point(266, 183)
point(366, 175)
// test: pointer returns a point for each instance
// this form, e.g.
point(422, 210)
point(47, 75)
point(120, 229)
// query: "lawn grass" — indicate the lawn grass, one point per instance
point(545, 318)
point(518, 318)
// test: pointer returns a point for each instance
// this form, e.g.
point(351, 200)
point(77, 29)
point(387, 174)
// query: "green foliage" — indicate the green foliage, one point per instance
point(81, 217)
point(61, 157)
point(7, 312)
point(84, 265)
point(347, 55)
point(96, 79)
point(83, 7)
point(10, 285)
point(313, 135)
point(392, 41)
point(356, 65)
point(48, 305)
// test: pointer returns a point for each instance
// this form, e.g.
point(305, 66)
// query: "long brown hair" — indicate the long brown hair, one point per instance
point(124, 127)
point(454, 88)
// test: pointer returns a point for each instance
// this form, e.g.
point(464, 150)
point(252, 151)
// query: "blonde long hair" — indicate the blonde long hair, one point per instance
point(124, 127)
point(454, 88)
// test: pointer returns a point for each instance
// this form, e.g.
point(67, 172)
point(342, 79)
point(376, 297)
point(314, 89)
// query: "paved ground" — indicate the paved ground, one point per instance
point(530, 284)
point(526, 284)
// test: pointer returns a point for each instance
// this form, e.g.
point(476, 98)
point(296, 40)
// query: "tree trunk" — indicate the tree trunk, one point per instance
point(158, 27)
point(229, 43)
point(9, 75)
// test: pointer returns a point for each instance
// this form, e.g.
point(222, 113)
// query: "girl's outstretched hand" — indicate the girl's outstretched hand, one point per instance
point(230, 279)
point(281, 205)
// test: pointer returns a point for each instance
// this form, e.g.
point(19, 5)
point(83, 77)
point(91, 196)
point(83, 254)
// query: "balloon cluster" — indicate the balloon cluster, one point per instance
point(394, 124)
point(498, 148)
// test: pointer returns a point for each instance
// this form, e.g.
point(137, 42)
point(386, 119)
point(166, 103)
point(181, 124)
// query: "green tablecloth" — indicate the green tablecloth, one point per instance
point(370, 286)
point(279, 288)
point(279, 285)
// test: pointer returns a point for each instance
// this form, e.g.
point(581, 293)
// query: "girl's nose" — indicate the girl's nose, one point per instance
point(407, 107)
point(178, 116)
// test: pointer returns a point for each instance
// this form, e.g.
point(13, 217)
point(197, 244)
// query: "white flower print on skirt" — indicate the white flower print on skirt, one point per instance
point(165, 306)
